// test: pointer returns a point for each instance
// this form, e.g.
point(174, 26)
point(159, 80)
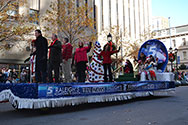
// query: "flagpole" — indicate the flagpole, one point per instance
point(30, 63)
point(170, 49)
point(170, 32)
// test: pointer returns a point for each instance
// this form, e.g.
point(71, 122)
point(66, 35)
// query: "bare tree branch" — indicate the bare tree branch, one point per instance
point(71, 21)
point(5, 5)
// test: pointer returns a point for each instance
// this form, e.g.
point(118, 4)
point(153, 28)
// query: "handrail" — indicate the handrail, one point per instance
point(117, 69)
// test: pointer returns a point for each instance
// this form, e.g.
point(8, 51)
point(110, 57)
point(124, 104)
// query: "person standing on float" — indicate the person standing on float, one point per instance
point(54, 59)
point(80, 59)
point(110, 43)
point(67, 59)
point(106, 54)
point(41, 52)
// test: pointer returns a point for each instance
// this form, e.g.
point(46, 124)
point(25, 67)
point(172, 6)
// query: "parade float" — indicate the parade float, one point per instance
point(51, 95)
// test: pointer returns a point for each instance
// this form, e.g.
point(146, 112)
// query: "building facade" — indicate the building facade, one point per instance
point(175, 37)
point(19, 51)
point(132, 17)
point(159, 23)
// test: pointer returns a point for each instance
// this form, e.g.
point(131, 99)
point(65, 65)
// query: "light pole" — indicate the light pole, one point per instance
point(176, 54)
point(121, 44)
point(170, 49)
point(171, 57)
point(170, 32)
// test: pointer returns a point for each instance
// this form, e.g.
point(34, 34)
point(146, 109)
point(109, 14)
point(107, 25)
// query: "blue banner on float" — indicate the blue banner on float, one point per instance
point(52, 90)
point(63, 90)
point(147, 86)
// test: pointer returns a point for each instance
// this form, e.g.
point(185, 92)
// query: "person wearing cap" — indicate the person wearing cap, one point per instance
point(110, 43)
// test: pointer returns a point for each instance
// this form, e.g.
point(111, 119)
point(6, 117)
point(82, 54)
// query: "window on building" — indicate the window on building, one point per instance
point(139, 18)
point(94, 14)
point(34, 4)
point(134, 18)
point(77, 3)
point(117, 10)
point(34, 14)
point(34, 11)
point(159, 33)
point(174, 42)
point(110, 21)
point(129, 12)
point(184, 41)
point(184, 55)
point(86, 2)
point(158, 25)
point(13, 11)
point(164, 32)
point(144, 21)
point(102, 18)
point(124, 30)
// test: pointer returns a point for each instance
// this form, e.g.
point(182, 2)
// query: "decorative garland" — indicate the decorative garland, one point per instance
point(49, 95)
point(22, 103)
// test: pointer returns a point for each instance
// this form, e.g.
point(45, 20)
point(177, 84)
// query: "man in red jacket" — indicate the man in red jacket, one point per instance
point(67, 59)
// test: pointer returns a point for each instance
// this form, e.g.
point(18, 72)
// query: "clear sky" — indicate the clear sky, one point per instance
point(177, 10)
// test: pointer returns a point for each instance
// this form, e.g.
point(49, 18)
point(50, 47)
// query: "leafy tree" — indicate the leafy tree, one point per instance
point(130, 47)
point(70, 20)
point(14, 26)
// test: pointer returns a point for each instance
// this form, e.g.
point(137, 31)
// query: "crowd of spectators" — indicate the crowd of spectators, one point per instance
point(12, 76)
point(182, 76)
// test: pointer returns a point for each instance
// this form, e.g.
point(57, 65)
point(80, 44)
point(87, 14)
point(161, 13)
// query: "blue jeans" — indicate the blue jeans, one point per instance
point(107, 67)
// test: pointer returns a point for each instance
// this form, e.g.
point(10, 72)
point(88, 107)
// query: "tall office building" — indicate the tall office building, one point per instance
point(159, 23)
point(132, 16)
point(175, 38)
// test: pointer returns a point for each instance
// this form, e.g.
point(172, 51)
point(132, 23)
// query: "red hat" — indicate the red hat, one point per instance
point(147, 58)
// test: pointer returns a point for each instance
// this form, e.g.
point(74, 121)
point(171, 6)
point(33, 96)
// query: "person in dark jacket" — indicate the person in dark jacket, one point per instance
point(41, 45)
point(128, 67)
point(54, 58)
point(2, 76)
point(110, 43)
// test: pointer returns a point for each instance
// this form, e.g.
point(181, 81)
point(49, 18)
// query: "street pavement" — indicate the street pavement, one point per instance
point(169, 110)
